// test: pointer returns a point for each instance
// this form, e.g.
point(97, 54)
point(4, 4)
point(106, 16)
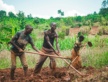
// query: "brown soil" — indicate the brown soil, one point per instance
point(94, 30)
point(60, 75)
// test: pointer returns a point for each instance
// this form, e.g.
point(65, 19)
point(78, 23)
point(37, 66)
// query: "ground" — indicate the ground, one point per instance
point(61, 75)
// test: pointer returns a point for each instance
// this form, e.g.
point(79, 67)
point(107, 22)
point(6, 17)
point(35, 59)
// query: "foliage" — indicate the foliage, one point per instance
point(91, 56)
point(103, 11)
point(11, 23)
point(103, 30)
point(104, 3)
point(61, 12)
point(85, 29)
point(61, 35)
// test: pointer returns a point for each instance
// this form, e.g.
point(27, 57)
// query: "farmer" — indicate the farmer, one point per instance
point(19, 42)
point(49, 37)
point(75, 56)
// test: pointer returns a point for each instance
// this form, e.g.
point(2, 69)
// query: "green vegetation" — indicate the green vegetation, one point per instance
point(96, 56)
point(10, 23)
point(97, 61)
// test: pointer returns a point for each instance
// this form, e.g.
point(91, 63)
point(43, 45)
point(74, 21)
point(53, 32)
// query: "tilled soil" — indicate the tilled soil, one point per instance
point(60, 75)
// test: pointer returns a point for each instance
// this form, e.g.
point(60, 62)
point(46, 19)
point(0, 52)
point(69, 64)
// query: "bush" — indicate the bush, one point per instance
point(85, 30)
point(103, 30)
point(61, 35)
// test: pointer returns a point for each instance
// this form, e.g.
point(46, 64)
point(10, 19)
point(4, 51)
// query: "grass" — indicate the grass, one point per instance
point(68, 42)
point(95, 56)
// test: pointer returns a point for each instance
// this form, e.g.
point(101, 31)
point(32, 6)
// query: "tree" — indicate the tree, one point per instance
point(20, 14)
point(69, 21)
point(103, 11)
point(21, 19)
point(78, 18)
point(36, 22)
point(29, 16)
point(3, 17)
point(61, 12)
point(2, 13)
point(104, 3)
point(11, 14)
point(103, 21)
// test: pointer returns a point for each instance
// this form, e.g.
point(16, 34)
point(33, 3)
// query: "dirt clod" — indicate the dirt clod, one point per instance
point(60, 75)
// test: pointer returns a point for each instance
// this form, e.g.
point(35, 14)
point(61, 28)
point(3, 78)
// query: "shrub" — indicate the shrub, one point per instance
point(61, 35)
point(103, 30)
point(85, 29)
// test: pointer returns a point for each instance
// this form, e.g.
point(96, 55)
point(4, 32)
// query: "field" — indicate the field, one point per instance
point(69, 22)
point(94, 60)
point(61, 75)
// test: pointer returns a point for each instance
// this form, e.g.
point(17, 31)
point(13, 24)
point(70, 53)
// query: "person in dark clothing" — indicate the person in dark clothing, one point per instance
point(49, 37)
point(19, 42)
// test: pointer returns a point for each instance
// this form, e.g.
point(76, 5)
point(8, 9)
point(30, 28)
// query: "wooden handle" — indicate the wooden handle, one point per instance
point(61, 58)
point(73, 67)
point(48, 55)
point(73, 61)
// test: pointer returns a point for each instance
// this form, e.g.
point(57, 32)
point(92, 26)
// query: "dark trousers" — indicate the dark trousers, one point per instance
point(42, 60)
